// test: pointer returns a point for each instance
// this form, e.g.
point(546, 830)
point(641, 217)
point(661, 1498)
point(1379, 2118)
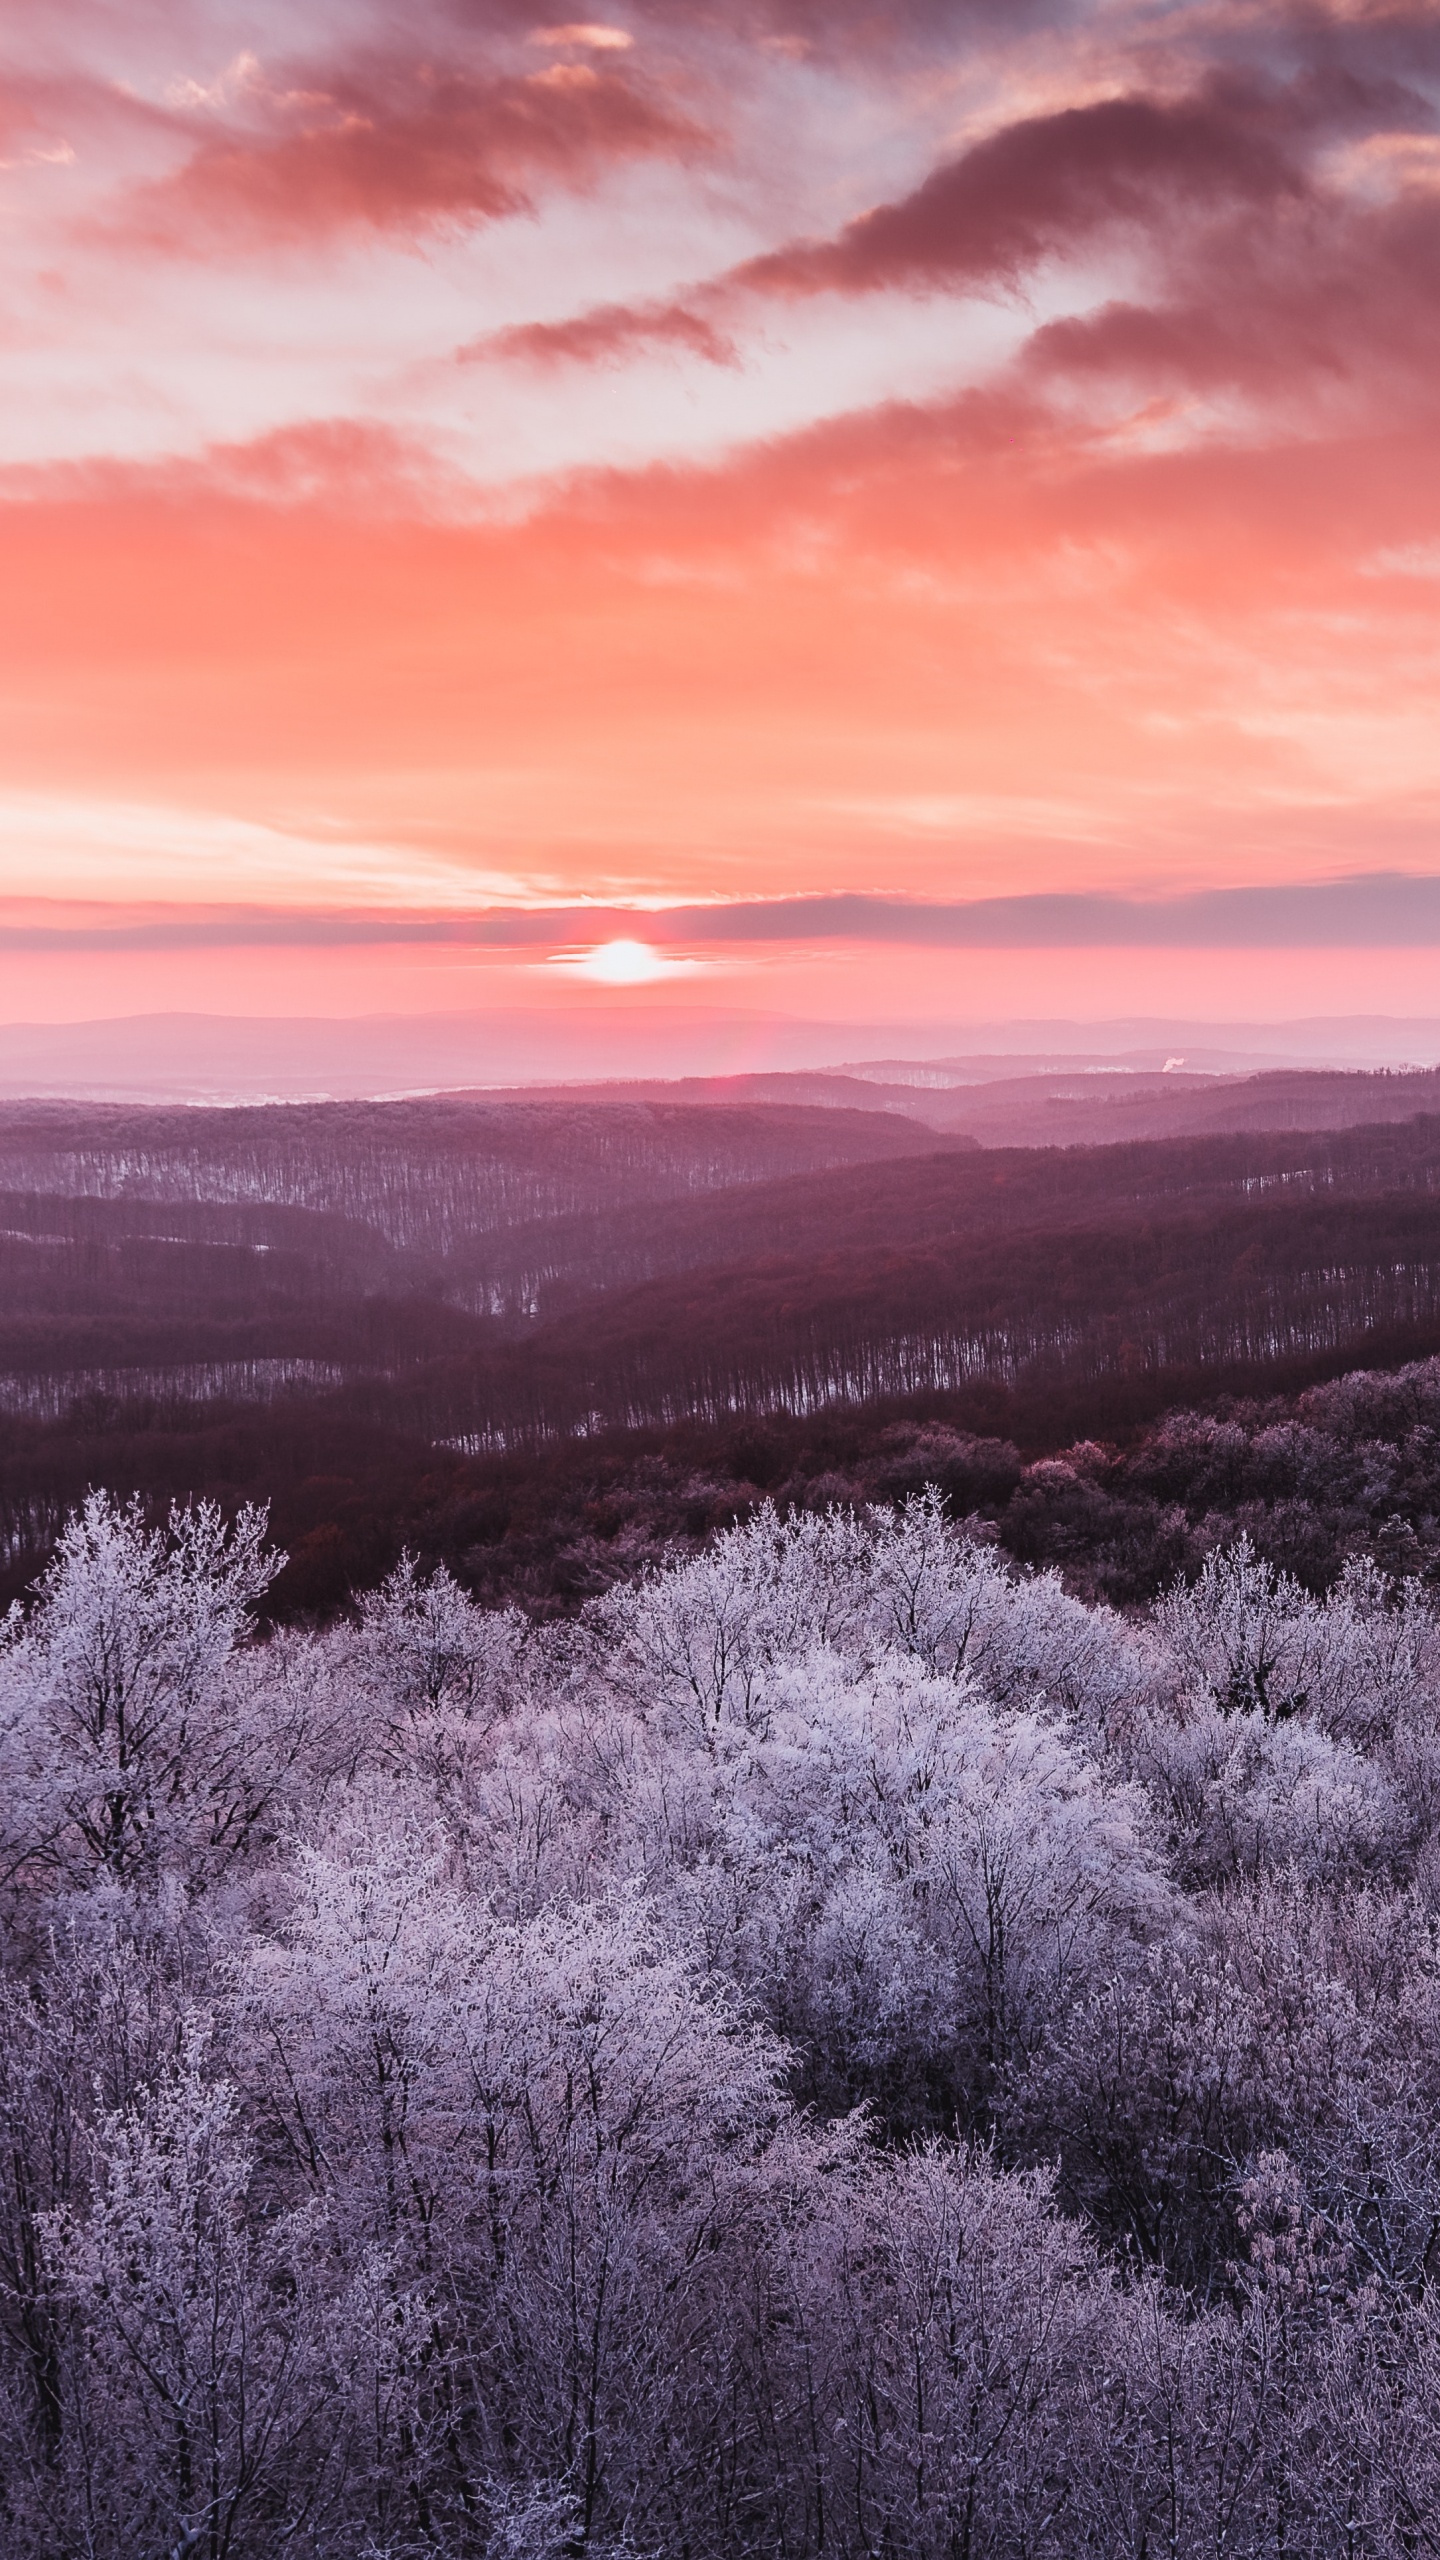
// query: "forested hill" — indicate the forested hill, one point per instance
point(211, 1306)
point(684, 1267)
point(430, 1175)
point(346, 1232)
point(1136, 1274)
point(1079, 1104)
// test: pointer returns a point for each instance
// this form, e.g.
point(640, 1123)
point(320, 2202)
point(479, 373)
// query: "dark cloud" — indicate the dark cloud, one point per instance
point(822, 30)
point(1043, 186)
point(1376, 910)
point(1343, 299)
point(1260, 260)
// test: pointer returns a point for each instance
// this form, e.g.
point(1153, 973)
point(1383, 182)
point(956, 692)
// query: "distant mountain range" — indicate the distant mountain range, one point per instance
point(1079, 1105)
point(198, 1058)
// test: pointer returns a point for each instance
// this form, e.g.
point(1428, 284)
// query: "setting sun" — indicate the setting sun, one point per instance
point(623, 963)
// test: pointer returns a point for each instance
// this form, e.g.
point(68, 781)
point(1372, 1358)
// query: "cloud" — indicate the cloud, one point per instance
point(682, 675)
point(852, 32)
point(866, 30)
point(1222, 189)
point(611, 333)
point(1329, 322)
point(28, 136)
point(346, 467)
point(1381, 910)
point(981, 222)
point(1041, 186)
point(670, 679)
point(394, 144)
point(588, 38)
point(56, 117)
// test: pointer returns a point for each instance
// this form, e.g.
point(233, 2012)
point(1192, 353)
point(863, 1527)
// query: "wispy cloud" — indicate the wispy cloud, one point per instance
point(396, 142)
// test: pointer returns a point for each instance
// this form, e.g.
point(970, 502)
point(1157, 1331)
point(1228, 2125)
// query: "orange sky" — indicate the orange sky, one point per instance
point(457, 466)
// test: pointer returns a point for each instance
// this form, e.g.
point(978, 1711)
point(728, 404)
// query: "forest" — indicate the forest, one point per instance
point(839, 2046)
point(541, 1341)
point(490, 1276)
point(719, 1838)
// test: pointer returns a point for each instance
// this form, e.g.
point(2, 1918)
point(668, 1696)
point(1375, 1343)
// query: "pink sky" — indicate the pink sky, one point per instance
point(785, 478)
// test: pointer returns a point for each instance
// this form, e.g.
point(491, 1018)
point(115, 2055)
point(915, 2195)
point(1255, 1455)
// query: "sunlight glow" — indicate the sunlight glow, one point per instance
point(472, 458)
point(623, 964)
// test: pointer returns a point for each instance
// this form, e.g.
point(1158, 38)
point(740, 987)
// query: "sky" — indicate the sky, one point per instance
point(803, 511)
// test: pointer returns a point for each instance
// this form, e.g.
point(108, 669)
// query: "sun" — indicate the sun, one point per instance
point(623, 964)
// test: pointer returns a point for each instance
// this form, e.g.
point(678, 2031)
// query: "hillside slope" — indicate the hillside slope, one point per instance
point(1070, 1106)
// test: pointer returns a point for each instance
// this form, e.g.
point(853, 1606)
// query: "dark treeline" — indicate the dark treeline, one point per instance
point(429, 1174)
point(692, 1347)
point(1214, 1260)
point(1186, 1297)
point(263, 1225)
point(1090, 1482)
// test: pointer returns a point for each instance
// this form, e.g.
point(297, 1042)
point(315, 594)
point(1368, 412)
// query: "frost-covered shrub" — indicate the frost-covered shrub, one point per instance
point(957, 1606)
point(1239, 2032)
point(199, 2382)
point(694, 1642)
point(696, 1639)
point(425, 1649)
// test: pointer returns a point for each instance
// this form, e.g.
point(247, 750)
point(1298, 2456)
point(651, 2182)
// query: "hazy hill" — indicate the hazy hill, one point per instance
point(429, 1173)
point(1074, 1105)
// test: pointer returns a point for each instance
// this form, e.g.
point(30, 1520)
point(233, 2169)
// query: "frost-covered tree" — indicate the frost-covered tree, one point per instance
point(201, 2387)
point(136, 1736)
point(843, 2050)
point(425, 1647)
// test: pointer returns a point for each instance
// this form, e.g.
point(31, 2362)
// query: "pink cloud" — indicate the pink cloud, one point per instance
point(347, 468)
point(609, 334)
point(1158, 595)
point(589, 36)
point(1290, 234)
point(399, 145)
point(1038, 187)
point(44, 118)
point(1042, 186)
